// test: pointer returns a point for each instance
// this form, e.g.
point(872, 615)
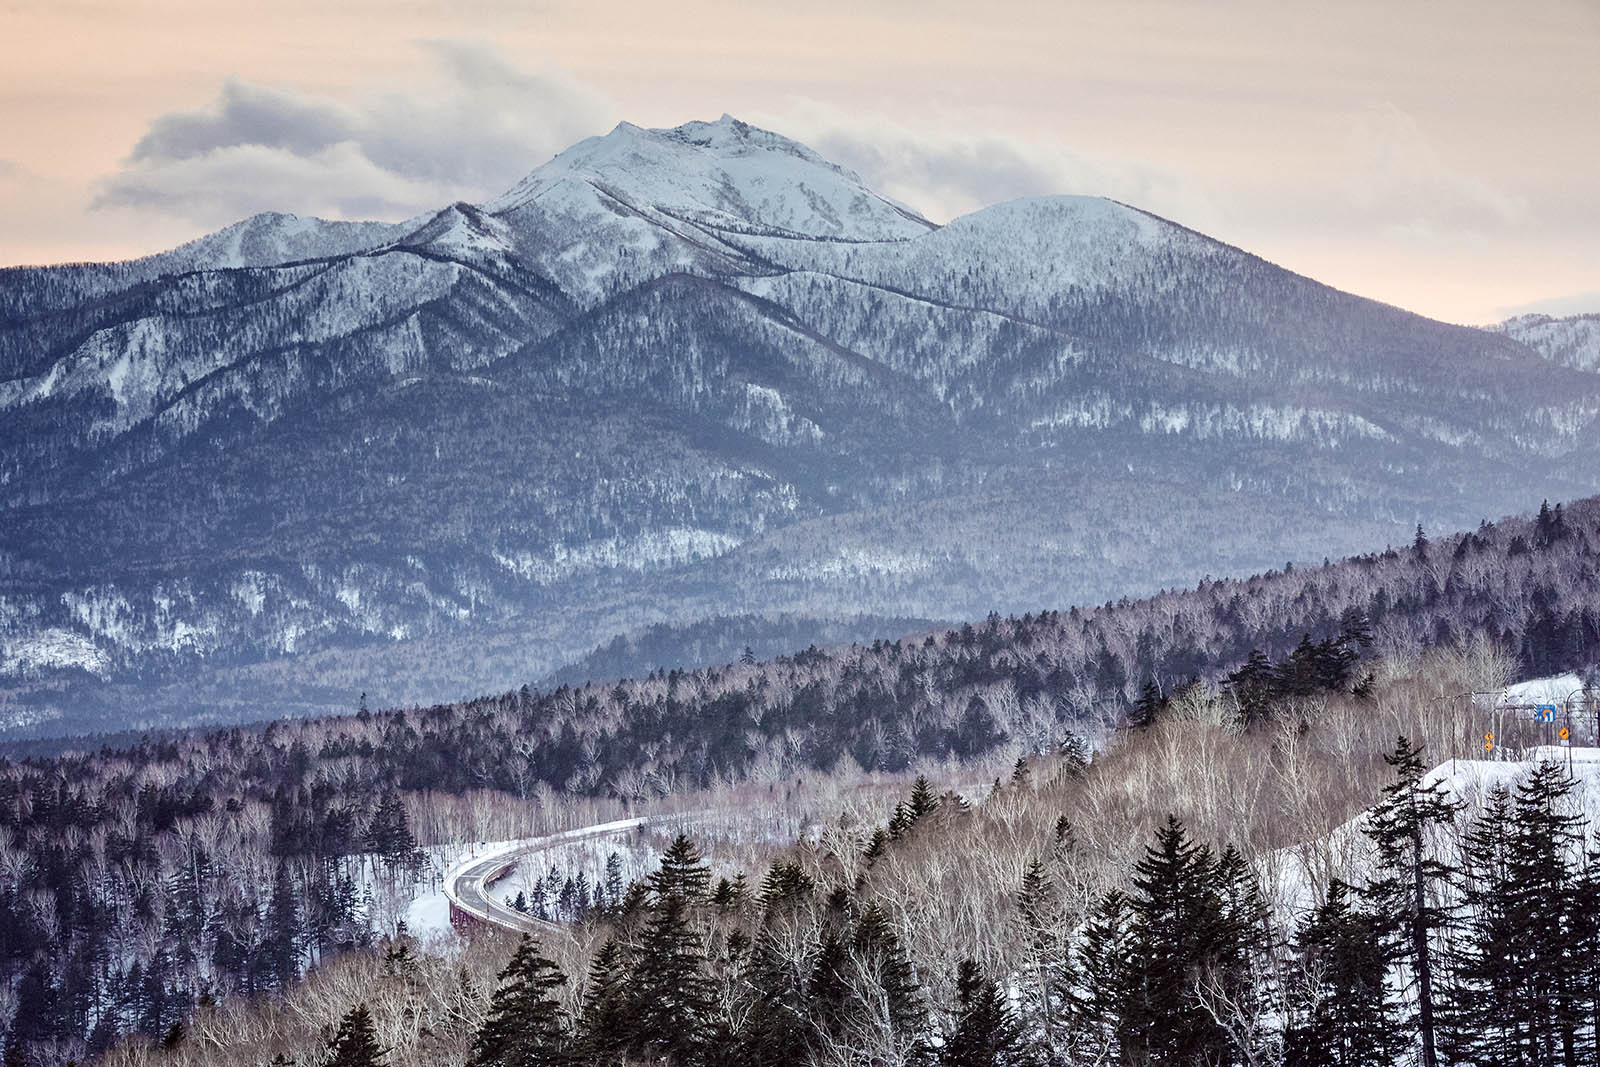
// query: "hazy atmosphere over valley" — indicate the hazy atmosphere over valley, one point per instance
point(707, 534)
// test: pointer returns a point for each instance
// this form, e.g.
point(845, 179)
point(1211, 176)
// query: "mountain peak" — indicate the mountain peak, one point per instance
point(726, 176)
point(731, 136)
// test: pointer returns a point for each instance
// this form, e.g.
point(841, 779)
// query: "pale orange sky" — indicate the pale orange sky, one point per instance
point(1440, 155)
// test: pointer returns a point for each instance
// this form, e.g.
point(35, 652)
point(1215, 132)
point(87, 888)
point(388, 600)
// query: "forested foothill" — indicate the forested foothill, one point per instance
point(155, 887)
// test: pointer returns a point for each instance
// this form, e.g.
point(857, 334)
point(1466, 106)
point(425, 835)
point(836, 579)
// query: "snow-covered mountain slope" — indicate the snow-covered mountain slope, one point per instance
point(723, 175)
point(684, 373)
point(272, 239)
point(1570, 342)
point(618, 210)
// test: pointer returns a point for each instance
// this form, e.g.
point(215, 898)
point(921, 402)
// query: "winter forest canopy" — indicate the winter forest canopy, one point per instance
point(194, 869)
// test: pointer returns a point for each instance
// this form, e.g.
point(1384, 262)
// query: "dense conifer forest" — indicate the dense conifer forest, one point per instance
point(194, 870)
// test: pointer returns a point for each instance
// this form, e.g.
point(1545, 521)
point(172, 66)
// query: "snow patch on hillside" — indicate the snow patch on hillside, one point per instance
point(854, 562)
point(270, 239)
point(666, 547)
point(1571, 342)
point(51, 649)
point(768, 415)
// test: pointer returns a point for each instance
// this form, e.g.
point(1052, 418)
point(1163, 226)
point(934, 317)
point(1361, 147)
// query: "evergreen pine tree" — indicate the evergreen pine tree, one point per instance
point(525, 1027)
point(1544, 526)
point(1400, 826)
point(1182, 935)
point(607, 1025)
point(877, 948)
point(778, 1025)
point(1106, 980)
point(877, 845)
point(1482, 967)
point(1253, 686)
point(899, 822)
point(1586, 949)
point(284, 934)
point(828, 996)
point(613, 881)
point(683, 873)
point(355, 1044)
point(1047, 972)
point(1542, 871)
point(1345, 1014)
point(389, 833)
point(922, 802)
point(672, 998)
point(1148, 708)
point(986, 1032)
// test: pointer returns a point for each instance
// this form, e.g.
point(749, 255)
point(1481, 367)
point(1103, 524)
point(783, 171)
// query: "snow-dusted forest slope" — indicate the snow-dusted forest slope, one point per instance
point(688, 373)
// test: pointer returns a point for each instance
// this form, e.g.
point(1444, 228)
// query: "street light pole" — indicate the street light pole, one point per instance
point(1566, 707)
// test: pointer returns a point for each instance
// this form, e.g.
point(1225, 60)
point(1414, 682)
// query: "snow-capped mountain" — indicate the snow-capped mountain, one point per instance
point(683, 373)
point(1573, 341)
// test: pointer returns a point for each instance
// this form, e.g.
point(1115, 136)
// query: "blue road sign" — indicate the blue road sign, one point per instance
point(1547, 713)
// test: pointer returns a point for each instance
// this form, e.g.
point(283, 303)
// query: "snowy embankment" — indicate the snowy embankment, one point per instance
point(1296, 878)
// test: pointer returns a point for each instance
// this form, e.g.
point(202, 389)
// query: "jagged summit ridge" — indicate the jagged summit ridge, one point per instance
point(723, 175)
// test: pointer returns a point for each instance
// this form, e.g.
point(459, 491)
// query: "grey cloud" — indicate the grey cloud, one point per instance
point(1397, 178)
point(496, 124)
point(980, 171)
point(226, 184)
point(945, 174)
point(468, 129)
point(247, 114)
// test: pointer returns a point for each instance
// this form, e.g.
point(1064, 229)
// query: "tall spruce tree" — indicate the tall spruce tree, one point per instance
point(828, 1000)
point(672, 995)
point(1044, 927)
point(285, 934)
point(525, 1027)
point(683, 873)
point(1542, 867)
point(986, 1033)
point(878, 952)
point(1239, 979)
point(606, 1028)
point(1344, 1014)
point(922, 801)
point(355, 1043)
point(1182, 937)
point(1404, 893)
point(1586, 948)
point(1105, 977)
point(1483, 979)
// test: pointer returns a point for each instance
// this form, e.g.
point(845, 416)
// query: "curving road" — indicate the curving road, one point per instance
point(469, 885)
point(470, 897)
